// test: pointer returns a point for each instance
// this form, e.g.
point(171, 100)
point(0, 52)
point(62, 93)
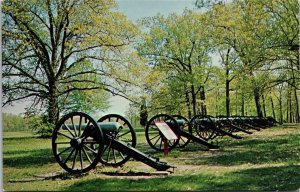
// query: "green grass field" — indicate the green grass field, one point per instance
point(266, 160)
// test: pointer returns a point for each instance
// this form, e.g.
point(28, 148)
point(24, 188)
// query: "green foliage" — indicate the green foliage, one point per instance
point(41, 126)
point(33, 123)
point(90, 101)
point(254, 40)
point(52, 48)
point(14, 123)
point(176, 46)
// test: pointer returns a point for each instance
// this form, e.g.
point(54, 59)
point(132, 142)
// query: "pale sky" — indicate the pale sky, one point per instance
point(134, 10)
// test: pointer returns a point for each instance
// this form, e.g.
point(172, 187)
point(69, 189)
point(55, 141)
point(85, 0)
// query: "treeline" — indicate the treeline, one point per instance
point(226, 58)
point(11, 122)
point(34, 123)
point(239, 58)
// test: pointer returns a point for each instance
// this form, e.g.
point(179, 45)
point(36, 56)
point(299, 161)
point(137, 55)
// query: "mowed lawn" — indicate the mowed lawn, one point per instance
point(266, 160)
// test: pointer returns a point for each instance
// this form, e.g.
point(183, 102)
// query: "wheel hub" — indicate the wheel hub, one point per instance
point(76, 142)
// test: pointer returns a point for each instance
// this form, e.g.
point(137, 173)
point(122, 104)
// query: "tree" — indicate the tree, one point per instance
point(178, 46)
point(53, 48)
point(89, 101)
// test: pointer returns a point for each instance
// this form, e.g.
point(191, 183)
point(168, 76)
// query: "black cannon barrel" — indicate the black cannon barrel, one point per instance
point(140, 156)
point(240, 129)
point(245, 122)
point(188, 135)
point(228, 121)
point(198, 140)
point(221, 131)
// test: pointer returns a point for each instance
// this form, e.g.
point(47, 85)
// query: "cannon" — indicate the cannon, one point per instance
point(227, 124)
point(173, 131)
point(79, 143)
point(252, 122)
point(208, 127)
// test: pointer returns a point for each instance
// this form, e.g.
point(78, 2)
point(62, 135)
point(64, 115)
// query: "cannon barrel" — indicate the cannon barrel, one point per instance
point(104, 126)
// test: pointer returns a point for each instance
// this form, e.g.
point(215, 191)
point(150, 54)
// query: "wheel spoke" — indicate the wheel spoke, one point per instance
point(69, 156)
point(114, 155)
point(160, 143)
point(121, 154)
point(105, 148)
point(154, 137)
point(74, 160)
point(124, 134)
point(154, 127)
point(79, 128)
point(81, 160)
point(87, 156)
point(66, 126)
point(74, 126)
point(64, 151)
point(90, 149)
point(157, 140)
point(108, 154)
point(64, 135)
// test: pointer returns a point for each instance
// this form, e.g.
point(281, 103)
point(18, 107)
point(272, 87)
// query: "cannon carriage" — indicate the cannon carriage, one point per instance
point(176, 132)
point(209, 127)
point(200, 129)
point(79, 143)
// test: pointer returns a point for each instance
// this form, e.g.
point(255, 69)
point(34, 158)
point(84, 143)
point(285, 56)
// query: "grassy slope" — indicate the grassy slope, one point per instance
point(265, 160)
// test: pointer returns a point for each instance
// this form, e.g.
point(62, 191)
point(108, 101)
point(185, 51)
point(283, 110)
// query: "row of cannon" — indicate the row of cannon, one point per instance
point(202, 129)
point(79, 142)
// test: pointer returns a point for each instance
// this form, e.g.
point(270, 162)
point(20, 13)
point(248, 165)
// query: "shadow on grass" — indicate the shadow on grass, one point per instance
point(255, 151)
point(32, 158)
point(278, 140)
point(269, 178)
point(251, 157)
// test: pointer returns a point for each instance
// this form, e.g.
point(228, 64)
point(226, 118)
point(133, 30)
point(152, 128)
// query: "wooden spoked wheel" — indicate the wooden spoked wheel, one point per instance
point(183, 141)
point(71, 142)
point(202, 126)
point(125, 133)
point(225, 124)
point(154, 136)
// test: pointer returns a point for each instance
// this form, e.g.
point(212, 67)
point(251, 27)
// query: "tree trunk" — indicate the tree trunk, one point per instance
point(257, 103)
point(243, 105)
point(53, 110)
point(263, 105)
point(187, 100)
point(280, 108)
point(202, 97)
point(217, 105)
point(290, 107)
point(227, 104)
point(273, 109)
point(287, 107)
point(297, 106)
point(194, 105)
point(236, 102)
point(227, 97)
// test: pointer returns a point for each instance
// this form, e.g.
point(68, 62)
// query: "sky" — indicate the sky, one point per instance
point(134, 10)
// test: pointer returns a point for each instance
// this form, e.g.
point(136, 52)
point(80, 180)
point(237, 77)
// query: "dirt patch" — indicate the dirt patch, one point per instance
point(47, 176)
